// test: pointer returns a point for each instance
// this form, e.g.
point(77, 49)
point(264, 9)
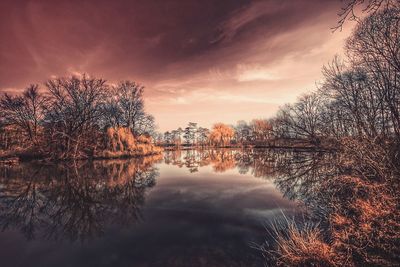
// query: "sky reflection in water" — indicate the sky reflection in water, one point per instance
point(186, 208)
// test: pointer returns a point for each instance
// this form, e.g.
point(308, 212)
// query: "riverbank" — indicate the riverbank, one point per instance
point(140, 150)
point(112, 143)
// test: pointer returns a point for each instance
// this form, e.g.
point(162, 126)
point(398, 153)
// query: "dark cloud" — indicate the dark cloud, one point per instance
point(176, 48)
point(41, 38)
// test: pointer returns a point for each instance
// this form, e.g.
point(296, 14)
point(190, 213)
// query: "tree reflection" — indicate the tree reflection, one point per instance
point(74, 201)
point(220, 159)
point(80, 199)
point(290, 169)
point(296, 173)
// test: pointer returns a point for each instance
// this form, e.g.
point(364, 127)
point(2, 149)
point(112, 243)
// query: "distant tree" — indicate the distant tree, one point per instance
point(176, 136)
point(190, 133)
point(167, 137)
point(221, 134)
point(261, 130)
point(242, 132)
point(74, 116)
point(354, 97)
point(112, 113)
point(359, 96)
point(180, 133)
point(202, 135)
point(374, 51)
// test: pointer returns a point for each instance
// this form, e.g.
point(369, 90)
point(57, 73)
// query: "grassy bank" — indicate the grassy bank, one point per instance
point(354, 215)
point(113, 143)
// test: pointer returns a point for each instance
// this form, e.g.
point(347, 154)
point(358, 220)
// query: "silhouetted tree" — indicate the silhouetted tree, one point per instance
point(302, 119)
point(73, 114)
point(348, 11)
point(24, 111)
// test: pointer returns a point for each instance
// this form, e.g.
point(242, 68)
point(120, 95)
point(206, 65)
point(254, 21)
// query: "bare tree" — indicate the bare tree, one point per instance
point(24, 111)
point(348, 11)
point(375, 47)
point(145, 125)
point(130, 100)
point(302, 120)
point(261, 130)
point(242, 132)
point(124, 107)
point(73, 114)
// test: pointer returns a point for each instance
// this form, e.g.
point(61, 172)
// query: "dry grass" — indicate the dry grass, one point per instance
point(360, 213)
point(364, 221)
point(297, 243)
point(120, 139)
point(363, 228)
point(120, 142)
point(303, 247)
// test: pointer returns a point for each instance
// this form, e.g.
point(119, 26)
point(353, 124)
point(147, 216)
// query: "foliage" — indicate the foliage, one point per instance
point(120, 142)
point(69, 120)
point(221, 134)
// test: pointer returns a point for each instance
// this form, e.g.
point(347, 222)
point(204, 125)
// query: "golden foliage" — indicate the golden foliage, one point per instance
point(221, 134)
point(120, 139)
point(120, 142)
point(222, 160)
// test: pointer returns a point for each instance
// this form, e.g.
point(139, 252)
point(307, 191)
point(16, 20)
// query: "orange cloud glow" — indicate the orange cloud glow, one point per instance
point(201, 61)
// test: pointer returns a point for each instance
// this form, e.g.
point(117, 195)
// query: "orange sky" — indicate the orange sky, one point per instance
point(200, 61)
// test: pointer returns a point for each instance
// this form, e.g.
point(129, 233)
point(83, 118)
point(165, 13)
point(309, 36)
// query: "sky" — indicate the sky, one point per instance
point(203, 61)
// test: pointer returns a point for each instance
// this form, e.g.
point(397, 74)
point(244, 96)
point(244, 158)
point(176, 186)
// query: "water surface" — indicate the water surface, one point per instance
point(183, 208)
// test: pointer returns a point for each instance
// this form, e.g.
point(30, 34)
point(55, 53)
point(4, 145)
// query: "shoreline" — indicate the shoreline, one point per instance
point(16, 158)
point(24, 156)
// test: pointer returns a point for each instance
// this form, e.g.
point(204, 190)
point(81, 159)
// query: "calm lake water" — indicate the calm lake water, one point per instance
point(182, 208)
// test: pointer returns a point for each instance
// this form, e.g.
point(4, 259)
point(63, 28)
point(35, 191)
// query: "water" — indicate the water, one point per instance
point(187, 208)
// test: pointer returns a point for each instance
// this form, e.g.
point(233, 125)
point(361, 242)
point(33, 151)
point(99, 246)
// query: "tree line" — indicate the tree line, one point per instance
point(221, 134)
point(360, 94)
point(359, 97)
point(68, 117)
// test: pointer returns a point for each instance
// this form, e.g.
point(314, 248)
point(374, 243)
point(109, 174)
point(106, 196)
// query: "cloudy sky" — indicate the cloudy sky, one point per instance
point(200, 60)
